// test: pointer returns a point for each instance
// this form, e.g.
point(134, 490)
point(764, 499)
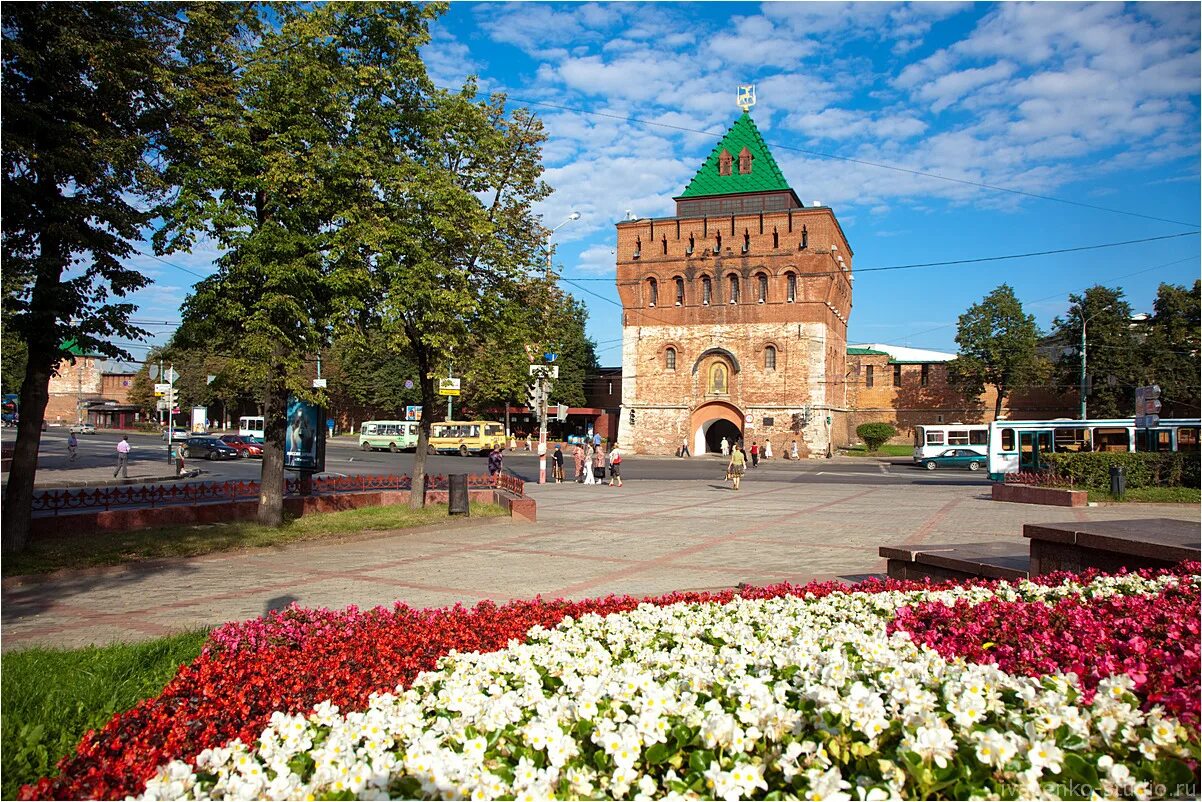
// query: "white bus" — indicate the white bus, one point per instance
point(932, 440)
point(394, 435)
point(250, 427)
point(1019, 445)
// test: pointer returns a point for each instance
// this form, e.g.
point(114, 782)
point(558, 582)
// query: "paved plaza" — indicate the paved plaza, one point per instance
point(649, 537)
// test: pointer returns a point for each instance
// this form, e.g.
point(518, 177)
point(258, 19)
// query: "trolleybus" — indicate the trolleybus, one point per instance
point(1020, 445)
point(394, 435)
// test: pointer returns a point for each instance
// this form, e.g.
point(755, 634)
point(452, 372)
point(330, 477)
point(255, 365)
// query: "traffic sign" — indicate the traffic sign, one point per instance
point(162, 389)
point(550, 371)
point(1147, 421)
point(319, 384)
point(550, 357)
point(448, 386)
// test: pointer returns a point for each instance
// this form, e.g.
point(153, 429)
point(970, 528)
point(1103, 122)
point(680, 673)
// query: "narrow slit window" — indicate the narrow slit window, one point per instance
point(670, 359)
point(770, 358)
point(790, 287)
point(805, 238)
point(762, 290)
point(897, 376)
point(868, 376)
point(679, 291)
point(775, 238)
point(734, 289)
point(707, 290)
point(652, 292)
point(665, 242)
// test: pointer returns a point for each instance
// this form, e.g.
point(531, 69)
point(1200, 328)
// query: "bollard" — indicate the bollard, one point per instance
point(457, 498)
point(1118, 481)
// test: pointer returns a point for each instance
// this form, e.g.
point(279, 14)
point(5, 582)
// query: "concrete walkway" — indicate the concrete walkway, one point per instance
point(648, 537)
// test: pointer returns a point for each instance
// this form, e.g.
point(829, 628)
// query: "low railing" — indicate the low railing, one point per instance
point(56, 501)
point(1038, 479)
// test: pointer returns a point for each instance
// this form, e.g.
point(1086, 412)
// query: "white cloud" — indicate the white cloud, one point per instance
point(597, 259)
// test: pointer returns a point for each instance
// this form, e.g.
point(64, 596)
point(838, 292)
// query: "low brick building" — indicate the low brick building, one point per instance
point(93, 389)
point(734, 312)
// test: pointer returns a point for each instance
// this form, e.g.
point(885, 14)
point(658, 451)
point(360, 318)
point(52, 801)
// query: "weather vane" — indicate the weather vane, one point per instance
point(747, 96)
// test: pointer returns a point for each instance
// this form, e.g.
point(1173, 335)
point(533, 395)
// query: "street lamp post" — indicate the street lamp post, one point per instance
point(1084, 320)
point(542, 378)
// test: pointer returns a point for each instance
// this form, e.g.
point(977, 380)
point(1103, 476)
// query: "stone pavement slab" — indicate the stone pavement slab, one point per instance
point(649, 537)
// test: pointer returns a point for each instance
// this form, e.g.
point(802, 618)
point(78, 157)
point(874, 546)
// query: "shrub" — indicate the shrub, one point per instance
point(1144, 469)
point(875, 435)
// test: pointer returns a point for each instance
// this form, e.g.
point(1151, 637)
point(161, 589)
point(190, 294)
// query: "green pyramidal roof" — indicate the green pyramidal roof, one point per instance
point(765, 175)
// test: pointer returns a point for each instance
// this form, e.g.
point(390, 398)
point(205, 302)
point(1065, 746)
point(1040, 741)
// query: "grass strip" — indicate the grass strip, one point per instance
point(43, 555)
point(887, 450)
point(1151, 495)
point(52, 697)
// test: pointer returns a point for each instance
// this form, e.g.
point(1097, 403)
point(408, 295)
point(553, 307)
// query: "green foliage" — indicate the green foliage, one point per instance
point(997, 347)
point(1143, 469)
point(369, 371)
point(875, 434)
point(1170, 350)
point(13, 356)
point(52, 697)
point(1112, 351)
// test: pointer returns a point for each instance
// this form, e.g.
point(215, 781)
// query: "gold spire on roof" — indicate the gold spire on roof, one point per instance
point(746, 97)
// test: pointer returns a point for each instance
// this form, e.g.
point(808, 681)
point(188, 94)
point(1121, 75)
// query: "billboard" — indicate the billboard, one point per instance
point(304, 437)
point(413, 413)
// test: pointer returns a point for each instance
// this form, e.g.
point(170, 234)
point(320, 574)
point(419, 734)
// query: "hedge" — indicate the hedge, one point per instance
point(875, 434)
point(1144, 469)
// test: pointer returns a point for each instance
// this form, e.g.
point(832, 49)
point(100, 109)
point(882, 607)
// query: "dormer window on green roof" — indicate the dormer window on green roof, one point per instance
point(757, 170)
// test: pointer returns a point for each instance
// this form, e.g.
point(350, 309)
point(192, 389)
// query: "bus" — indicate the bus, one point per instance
point(466, 437)
point(250, 427)
point(394, 435)
point(1019, 445)
point(933, 439)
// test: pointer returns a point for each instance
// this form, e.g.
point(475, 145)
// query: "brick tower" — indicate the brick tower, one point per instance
point(734, 312)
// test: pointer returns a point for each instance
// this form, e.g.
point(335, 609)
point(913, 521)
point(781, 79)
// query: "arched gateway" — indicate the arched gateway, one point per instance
point(711, 422)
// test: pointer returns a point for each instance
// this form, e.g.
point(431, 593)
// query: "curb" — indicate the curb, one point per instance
point(141, 480)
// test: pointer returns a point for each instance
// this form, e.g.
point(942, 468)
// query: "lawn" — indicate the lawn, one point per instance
point(52, 697)
point(81, 551)
point(887, 450)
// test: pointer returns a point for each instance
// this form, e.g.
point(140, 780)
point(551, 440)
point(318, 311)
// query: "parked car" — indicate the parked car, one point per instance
point(208, 448)
point(956, 458)
point(177, 433)
point(246, 445)
point(82, 428)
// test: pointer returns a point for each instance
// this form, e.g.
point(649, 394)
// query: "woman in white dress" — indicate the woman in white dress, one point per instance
point(725, 447)
point(767, 449)
point(589, 479)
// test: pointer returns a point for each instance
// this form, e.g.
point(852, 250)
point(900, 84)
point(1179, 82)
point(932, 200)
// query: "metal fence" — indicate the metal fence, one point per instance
point(106, 498)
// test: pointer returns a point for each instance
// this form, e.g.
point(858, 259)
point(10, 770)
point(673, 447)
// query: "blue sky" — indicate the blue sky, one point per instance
point(1091, 105)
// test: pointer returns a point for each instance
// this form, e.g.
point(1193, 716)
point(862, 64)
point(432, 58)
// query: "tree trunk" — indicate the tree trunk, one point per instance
point(1001, 398)
point(417, 494)
point(275, 412)
point(18, 492)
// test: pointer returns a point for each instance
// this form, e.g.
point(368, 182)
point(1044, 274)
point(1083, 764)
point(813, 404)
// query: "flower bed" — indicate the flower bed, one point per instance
point(783, 691)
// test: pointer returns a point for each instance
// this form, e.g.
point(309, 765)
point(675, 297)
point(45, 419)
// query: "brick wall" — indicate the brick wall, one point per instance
point(804, 320)
point(75, 382)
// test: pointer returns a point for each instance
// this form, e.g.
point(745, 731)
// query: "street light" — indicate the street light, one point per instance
point(542, 379)
point(1084, 320)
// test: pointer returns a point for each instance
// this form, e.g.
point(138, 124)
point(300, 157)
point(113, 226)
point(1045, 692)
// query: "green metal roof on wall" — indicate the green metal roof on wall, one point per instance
point(864, 352)
point(765, 175)
point(72, 347)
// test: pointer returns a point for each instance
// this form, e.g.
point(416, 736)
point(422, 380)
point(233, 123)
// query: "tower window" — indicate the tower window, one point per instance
point(926, 375)
point(770, 358)
point(665, 246)
point(689, 252)
point(897, 376)
point(775, 238)
point(724, 162)
point(652, 292)
point(670, 359)
point(707, 290)
point(868, 376)
point(718, 242)
point(762, 288)
point(638, 247)
point(746, 242)
point(805, 238)
point(679, 291)
point(744, 161)
point(734, 289)
point(790, 287)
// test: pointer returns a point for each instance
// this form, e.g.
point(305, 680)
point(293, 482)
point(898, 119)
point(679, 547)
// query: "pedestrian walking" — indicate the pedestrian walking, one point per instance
point(724, 447)
point(528, 443)
point(73, 446)
point(599, 465)
point(578, 458)
point(596, 440)
point(738, 463)
point(122, 458)
point(767, 449)
point(589, 478)
point(557, 460)
point(496, 461)
point(684, 449)
point(755, 454)
point(615, 466)
point(793, 451)
point(513, 444)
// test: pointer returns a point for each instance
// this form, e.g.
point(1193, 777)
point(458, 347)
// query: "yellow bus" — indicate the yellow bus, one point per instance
point(465, 437)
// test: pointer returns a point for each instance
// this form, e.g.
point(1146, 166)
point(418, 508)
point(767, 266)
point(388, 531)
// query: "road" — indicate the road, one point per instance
point(344, 458)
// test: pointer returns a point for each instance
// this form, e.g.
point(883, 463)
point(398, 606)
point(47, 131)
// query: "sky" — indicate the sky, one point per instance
point(937, 132)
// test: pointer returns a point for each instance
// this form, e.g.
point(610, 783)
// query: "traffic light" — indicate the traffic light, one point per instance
point(534, 396)
point(632, 417)
point(561, 413)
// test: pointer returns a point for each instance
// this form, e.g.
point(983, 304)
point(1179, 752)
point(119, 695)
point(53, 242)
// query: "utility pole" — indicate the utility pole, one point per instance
point(450, 375)
point(1082, 389)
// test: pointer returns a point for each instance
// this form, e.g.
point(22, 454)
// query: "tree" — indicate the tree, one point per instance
point(997, 347)
point(446, 230)
point(1112, 351)
point(288, 101)
point(1171, 348)
point(875, 435)
point(577, 353)
point(368, 371)
point(83, 103)
point(13, 357)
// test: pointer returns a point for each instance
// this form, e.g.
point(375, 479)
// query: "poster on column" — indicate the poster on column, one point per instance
point(304, 437)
